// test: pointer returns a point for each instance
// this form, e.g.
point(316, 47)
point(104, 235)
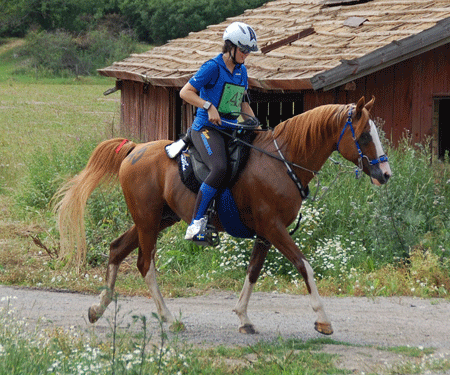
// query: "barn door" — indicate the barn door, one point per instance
point(441, 126)
point(271, 107)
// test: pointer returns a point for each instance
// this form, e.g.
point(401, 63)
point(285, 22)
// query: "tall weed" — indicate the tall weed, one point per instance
point(107, 215)
point(46, 171)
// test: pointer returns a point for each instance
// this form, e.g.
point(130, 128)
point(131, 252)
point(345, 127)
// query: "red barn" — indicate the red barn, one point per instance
point(312, 52)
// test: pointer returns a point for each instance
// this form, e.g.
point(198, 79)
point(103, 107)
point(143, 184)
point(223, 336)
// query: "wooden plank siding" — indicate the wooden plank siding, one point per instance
point(404, 94)
point(148, 112)
point(130, 109)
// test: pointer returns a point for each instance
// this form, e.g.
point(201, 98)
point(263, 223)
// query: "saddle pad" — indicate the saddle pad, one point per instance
point(229, 215)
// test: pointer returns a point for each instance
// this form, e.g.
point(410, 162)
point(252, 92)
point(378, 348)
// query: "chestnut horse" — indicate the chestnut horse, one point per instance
point(267, 198)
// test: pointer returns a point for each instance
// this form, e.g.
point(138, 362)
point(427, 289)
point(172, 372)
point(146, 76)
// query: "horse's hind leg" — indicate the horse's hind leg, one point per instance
point(150, 279)
point(146, 262)
point(119, 250)
point(259, 253)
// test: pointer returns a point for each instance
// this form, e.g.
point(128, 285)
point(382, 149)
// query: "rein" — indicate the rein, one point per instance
point(303, 191)
point(280, 158)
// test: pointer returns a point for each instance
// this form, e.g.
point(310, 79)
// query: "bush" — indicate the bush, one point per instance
point(46, 171)
point(12, 18)
point(77, 16)
point(170, 19)
point(154, 21)
point(60, 54)
point(381, 225)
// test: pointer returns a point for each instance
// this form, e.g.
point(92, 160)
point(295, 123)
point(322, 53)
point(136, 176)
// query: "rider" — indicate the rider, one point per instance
point(219, 90)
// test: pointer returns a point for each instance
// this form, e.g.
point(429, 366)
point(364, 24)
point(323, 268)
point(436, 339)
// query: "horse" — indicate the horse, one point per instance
point(267, 198)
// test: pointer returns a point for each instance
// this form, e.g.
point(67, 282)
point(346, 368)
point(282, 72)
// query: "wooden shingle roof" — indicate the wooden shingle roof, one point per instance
point(304, 44)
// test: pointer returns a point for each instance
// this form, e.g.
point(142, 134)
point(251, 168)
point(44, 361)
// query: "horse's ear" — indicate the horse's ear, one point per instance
point(359, 107)
point(370, 104)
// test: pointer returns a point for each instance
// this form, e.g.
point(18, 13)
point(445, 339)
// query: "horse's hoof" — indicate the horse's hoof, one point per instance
point(324, 328)
point(92, 315)
point(177, 326)
point(248, 329)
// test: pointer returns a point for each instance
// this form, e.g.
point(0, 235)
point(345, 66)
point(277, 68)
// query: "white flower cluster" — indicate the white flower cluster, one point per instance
point(334, 254)
point(69, 352)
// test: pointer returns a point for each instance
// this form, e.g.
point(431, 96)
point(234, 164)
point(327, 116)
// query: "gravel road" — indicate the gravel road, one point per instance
point(209, 320)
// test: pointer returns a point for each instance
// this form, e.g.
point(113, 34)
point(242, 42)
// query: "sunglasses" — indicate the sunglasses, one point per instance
point(244, 51)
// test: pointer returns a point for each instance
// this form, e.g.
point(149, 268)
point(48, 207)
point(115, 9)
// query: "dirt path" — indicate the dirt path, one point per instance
point(209, 320)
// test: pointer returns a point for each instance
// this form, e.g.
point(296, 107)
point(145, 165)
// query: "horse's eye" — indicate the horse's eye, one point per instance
point(365, 139)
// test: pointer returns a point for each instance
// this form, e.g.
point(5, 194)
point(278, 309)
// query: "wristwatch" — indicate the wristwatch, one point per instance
point(206, 105)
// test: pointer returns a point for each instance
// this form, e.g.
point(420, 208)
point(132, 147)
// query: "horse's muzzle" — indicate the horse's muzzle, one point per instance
point(380, 173)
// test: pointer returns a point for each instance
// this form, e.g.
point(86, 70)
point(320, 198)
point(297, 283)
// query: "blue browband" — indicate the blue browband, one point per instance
point(381, 159)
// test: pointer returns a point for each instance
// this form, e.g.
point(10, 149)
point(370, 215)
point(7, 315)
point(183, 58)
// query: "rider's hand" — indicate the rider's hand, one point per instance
point(213, 115)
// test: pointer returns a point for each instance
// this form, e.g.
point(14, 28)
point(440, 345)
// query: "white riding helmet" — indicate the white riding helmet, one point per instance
point(241, 35)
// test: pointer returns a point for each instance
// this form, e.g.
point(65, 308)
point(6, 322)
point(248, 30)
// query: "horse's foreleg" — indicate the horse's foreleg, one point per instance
point(284, 243)
point(322, 324)
point(119, 250)
point(259, 253)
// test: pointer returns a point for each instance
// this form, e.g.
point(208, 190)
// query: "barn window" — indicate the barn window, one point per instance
point(441, 124)
point(271, 108)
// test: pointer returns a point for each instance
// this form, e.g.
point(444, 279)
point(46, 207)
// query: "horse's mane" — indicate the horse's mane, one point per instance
point(308, 130)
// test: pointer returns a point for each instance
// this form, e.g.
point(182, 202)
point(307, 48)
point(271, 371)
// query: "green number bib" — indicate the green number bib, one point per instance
point(231, 99)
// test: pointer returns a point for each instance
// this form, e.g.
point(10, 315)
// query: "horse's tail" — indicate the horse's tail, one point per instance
point(103, 167)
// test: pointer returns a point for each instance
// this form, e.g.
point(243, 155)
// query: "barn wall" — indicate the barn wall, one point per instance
point(404, 93)
point(404, 100)
point(130, 109)
point(148, 112)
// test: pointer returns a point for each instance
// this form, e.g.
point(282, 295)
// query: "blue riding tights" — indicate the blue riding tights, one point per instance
point(211, 146)
point(204, 197)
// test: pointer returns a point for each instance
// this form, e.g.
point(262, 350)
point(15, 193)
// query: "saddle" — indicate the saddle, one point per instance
point(193, 171)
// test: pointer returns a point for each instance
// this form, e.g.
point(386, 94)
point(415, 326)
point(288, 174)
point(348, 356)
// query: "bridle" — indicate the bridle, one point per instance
point(349, 124)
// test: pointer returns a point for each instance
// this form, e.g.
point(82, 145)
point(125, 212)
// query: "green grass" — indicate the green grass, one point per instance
point(410, 351)
point(360, 239)
point(42, 117)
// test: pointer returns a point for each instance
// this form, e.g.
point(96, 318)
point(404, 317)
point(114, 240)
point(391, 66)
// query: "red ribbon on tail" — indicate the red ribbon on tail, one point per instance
point(121, 145)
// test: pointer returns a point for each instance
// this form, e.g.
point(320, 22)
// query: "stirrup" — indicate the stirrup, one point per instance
point(209, 236)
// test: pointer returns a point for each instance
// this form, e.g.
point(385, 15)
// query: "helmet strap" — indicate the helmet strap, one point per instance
point(233, 56)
